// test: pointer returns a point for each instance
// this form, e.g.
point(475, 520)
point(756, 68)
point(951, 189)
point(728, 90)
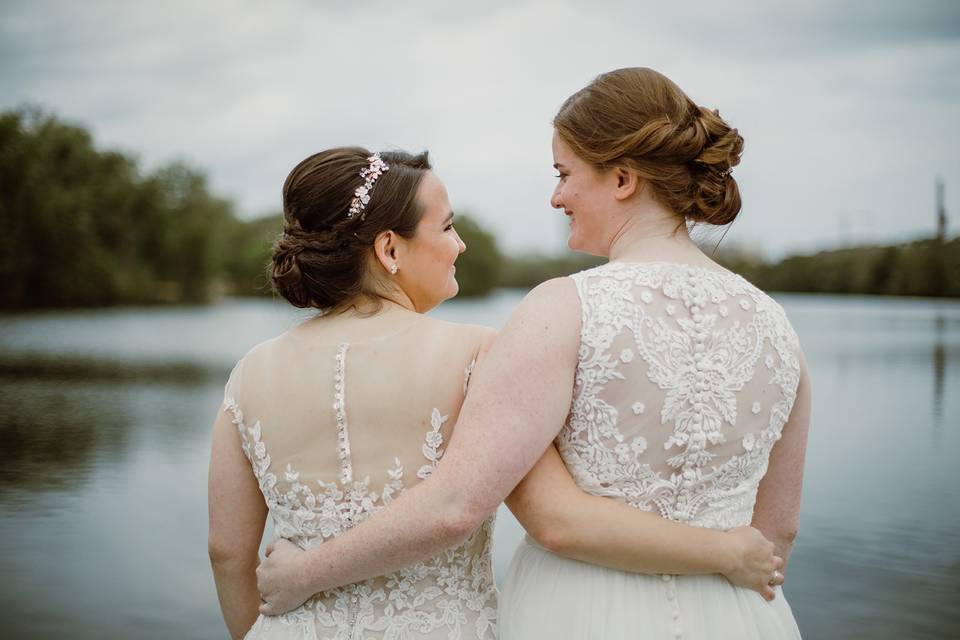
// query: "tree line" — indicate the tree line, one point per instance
point(929, 268)
point(86, 227)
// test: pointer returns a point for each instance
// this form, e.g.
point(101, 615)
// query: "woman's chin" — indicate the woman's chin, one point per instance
point(453, 289)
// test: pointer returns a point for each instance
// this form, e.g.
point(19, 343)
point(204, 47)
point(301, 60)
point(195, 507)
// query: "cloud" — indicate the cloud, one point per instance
point(848, 110)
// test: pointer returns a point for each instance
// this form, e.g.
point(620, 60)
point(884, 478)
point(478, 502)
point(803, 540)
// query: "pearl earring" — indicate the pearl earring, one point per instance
point(393, 270)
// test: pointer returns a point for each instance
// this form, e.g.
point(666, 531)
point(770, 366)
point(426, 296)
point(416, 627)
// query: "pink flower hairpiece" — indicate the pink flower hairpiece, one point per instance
point(370, 175)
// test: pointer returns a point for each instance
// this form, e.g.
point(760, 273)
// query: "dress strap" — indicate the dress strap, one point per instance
point(339, 407)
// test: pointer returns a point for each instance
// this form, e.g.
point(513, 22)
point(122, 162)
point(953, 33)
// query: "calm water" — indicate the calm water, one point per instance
point(105, 440)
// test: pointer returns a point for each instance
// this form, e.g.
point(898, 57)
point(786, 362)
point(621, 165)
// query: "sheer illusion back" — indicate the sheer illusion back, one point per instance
point(686, 377)
point(334, 430)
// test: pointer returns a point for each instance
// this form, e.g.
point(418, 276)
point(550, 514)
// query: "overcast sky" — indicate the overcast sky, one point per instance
point(849, 109)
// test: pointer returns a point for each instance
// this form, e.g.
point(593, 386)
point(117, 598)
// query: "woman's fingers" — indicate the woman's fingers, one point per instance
point(777, 579)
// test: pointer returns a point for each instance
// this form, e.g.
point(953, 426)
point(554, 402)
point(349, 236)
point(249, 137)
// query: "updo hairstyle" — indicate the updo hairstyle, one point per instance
point(320, 261)
point(639, 119)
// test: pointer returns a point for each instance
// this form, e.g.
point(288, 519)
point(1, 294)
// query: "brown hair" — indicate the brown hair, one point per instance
point(639, 119)
point(320, 260)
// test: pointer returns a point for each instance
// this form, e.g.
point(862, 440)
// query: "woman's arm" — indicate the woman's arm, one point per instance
point(517, 403)
point(777, 511)
point(572, 523)
point(237, 516)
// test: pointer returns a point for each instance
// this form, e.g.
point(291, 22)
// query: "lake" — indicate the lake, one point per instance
point(105, 430)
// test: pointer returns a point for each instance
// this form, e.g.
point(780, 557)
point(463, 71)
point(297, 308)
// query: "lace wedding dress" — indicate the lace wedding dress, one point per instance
point(686, 377)
point(333, 434)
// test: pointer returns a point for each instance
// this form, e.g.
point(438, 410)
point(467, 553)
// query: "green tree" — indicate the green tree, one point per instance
point(187, 252)
point(245, 264)
point(83, 228)
point(478, 269)
point(65, 209)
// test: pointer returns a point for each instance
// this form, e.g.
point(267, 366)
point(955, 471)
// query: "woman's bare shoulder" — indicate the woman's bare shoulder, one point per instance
point(470, 336)
point(554, 301)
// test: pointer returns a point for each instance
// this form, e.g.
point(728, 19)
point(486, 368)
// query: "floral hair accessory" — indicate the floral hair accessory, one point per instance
point(369, 174)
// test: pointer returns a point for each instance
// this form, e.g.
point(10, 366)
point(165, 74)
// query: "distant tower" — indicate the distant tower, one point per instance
point(941, 213)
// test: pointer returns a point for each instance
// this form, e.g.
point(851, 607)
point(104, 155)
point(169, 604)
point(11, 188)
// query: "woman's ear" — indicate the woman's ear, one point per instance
point(628, 183)
point(385, 248)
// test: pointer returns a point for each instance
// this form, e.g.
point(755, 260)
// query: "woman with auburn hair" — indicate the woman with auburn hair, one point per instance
point(667, 384)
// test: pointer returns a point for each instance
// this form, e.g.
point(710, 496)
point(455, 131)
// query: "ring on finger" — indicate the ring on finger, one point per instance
point(775, 579)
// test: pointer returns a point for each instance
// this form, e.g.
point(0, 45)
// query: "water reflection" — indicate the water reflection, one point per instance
point(64, 416)
point(46, 366)
point(939, 368)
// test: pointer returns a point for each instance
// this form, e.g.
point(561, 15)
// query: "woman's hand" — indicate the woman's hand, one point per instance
point(279, 580)
point(755, 566)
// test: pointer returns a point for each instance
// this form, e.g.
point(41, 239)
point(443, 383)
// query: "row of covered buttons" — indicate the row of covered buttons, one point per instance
point(671, 587)
point(343, 439)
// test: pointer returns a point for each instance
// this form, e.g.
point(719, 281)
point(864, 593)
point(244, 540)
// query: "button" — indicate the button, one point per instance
point(666, 577)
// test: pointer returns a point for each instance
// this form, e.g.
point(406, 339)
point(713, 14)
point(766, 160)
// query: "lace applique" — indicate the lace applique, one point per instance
point(431, 448)
point(453, 591)
point(700, 360)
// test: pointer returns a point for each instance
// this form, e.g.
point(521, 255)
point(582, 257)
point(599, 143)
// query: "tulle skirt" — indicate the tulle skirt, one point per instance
point(547, 596)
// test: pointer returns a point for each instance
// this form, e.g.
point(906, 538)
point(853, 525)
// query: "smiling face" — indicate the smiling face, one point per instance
point(587, 197)
point(426, 270)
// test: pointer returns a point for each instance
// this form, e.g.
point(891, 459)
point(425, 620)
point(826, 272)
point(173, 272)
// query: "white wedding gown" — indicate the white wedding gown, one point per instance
point(686, 377)
point(333, 433)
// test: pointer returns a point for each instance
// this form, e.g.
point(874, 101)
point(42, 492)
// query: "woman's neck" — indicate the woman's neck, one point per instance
point(654, 234)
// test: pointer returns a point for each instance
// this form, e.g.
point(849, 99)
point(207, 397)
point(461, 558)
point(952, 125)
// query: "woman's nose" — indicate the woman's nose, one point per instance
point(555, 201)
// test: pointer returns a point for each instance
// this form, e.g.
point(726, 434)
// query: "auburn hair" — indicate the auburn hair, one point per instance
point(638, 119)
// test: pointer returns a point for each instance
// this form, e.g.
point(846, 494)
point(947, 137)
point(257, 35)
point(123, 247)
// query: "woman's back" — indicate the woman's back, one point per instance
point(337, 417)
point(686, 378)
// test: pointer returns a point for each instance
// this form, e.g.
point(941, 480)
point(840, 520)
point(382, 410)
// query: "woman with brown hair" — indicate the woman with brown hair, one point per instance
point(671, 386)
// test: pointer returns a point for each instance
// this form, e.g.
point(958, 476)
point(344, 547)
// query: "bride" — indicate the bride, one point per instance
point(325, 425)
